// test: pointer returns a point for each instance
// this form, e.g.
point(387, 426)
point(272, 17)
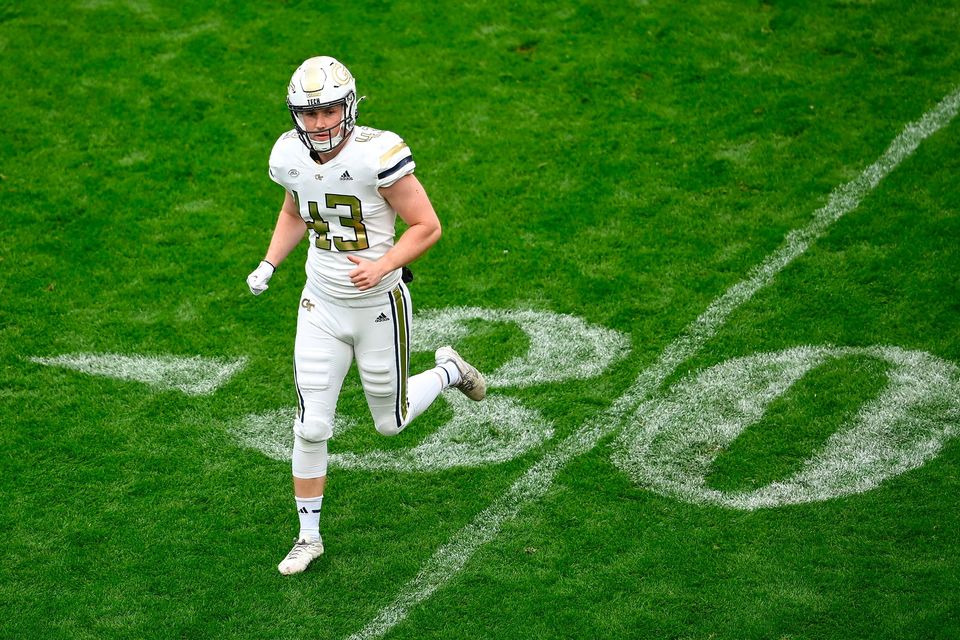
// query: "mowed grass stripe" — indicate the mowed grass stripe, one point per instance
point(452, 557)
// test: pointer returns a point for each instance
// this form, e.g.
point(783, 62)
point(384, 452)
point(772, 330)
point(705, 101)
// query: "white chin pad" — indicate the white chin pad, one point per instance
point(324, 145)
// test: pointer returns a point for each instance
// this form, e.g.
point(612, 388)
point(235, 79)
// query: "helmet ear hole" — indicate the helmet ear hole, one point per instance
point(350, 112)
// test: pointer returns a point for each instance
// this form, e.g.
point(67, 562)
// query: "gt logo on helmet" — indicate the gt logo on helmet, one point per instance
point(340, 74)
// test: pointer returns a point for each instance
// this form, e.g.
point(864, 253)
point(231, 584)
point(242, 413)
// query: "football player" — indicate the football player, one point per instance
point(347, 184)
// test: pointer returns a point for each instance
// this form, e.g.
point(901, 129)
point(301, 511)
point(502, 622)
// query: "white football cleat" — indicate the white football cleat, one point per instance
point(300, 557)
point(472, 383)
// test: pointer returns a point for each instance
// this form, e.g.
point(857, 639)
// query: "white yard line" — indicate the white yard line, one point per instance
point(452, 557)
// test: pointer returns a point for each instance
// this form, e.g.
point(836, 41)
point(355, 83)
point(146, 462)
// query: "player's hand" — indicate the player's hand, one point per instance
point(367, 274)
point(259, 277)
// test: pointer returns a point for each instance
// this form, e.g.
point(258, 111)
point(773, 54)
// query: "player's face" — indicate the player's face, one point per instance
point(321, 123)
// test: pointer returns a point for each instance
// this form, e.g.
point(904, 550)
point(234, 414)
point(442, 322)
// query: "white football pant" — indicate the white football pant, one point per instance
point(330, 334)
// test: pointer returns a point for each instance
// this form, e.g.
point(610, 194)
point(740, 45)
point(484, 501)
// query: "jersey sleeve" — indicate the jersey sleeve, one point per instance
point(396, 160)
point(279, 158)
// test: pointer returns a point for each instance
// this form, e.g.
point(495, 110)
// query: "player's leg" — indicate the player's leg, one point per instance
point(321, 362)
point(383, 357)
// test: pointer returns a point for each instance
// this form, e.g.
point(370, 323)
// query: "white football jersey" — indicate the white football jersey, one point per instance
point(341, 204)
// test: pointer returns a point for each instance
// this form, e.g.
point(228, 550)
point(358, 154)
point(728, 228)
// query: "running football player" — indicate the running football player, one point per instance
point(347, 184)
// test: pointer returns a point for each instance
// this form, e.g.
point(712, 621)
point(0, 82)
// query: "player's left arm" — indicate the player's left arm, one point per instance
point(409, 199)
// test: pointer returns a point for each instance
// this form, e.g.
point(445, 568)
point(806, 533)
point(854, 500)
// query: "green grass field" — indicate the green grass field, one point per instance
point(621, 164)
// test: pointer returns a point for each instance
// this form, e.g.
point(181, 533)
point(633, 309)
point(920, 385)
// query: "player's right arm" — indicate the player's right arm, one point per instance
point(286, 235)
point(288, 232)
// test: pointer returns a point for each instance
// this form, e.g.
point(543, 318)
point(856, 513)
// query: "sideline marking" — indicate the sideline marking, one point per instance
point(194, 376)
point(449, 559)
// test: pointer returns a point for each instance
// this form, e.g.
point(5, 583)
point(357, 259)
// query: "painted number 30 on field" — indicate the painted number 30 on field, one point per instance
point(669, 443)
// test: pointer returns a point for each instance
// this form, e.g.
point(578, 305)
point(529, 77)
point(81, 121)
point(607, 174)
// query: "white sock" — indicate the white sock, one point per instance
point(450, 373)
point(309, 511)
point(423, 388)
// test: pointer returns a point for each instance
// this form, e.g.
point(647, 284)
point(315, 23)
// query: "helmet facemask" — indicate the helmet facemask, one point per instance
point(337, 133)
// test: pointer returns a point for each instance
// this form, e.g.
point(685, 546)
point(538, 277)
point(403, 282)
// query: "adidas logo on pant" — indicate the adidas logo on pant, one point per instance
point(382, 318)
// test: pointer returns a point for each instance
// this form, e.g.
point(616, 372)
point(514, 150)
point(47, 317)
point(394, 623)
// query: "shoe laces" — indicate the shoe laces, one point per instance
point(300, 548)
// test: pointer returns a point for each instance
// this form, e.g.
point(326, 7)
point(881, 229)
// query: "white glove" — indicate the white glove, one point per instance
point(258, 279)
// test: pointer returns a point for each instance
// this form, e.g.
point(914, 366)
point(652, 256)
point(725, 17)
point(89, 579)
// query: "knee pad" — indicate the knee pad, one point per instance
point(313, 428)
point(309, 458)
point(386, 394)
point(389, 427)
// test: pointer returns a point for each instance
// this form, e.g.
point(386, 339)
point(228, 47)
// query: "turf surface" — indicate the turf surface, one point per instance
point(624, 163)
